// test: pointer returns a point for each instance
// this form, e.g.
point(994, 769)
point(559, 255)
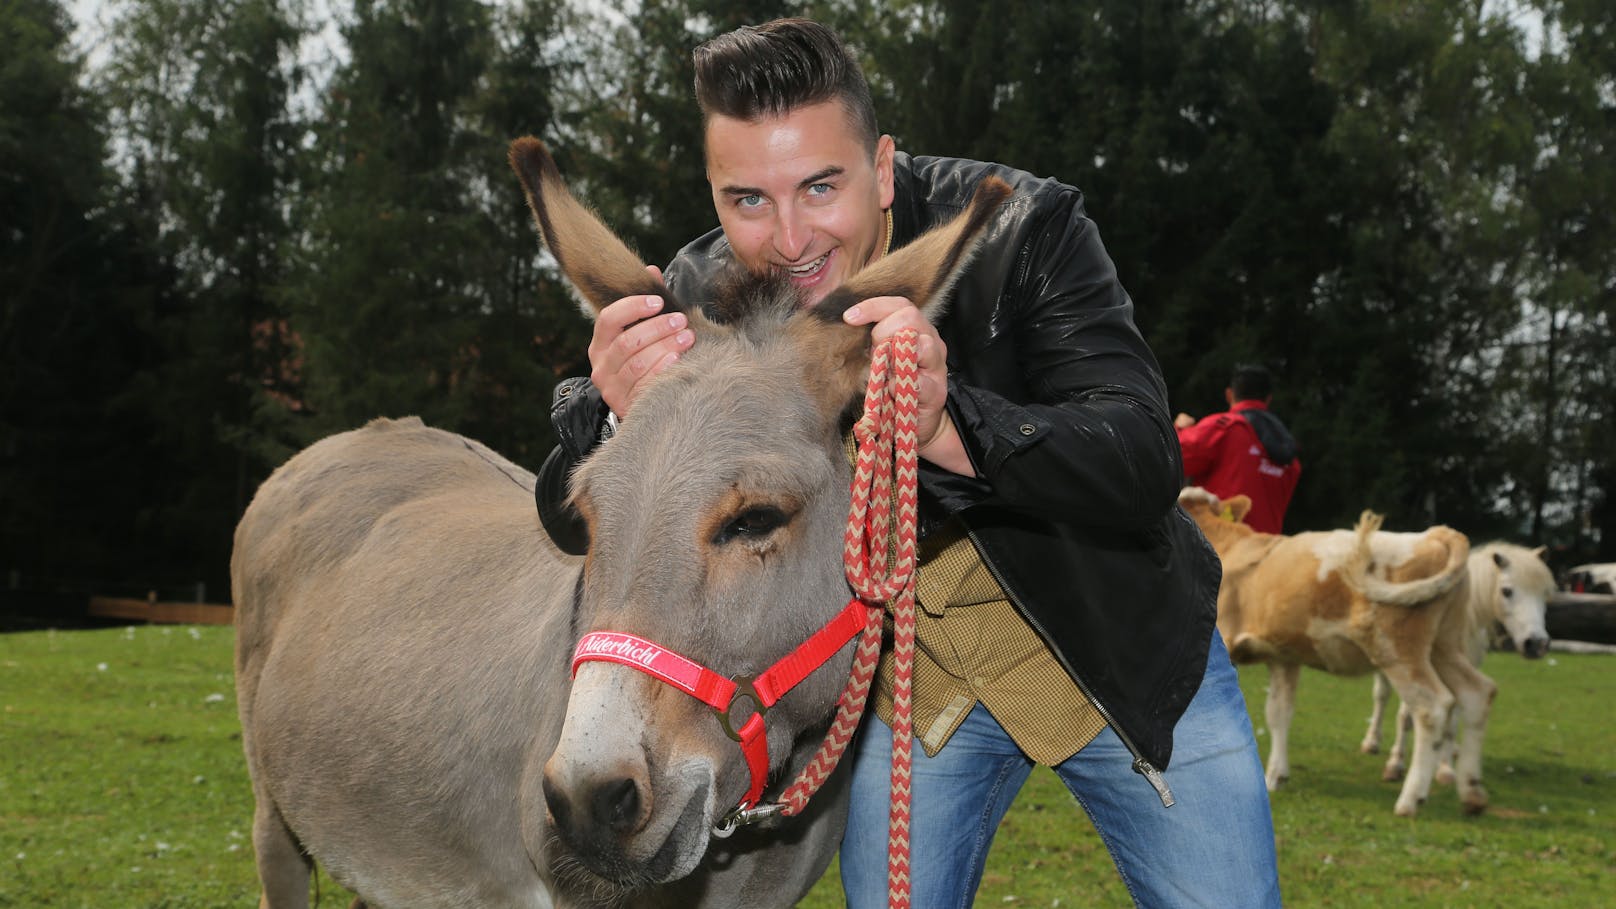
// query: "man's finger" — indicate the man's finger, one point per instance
point(875, 309)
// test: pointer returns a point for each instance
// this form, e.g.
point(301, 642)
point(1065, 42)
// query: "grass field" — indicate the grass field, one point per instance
point(122, 785)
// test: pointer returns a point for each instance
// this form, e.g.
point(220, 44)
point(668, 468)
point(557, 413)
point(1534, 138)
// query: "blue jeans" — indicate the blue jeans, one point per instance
point(1213, 848)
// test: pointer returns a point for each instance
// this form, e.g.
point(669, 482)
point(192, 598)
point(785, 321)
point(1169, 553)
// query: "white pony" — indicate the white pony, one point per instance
point(1509, 589)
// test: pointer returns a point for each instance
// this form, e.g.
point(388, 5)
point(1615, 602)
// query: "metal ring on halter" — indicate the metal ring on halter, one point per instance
point(740, 817)
point(744, 689)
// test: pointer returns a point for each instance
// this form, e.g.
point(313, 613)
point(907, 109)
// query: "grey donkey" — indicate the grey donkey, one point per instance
point(404, 625)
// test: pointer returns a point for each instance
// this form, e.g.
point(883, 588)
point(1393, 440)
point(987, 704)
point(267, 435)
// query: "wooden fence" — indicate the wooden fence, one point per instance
point(162, 613)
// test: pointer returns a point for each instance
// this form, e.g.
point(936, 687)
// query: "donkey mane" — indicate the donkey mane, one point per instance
point(742, 296)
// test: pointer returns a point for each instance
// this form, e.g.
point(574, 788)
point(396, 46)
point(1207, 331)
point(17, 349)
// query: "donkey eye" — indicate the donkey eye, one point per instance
point(1507, 592)
point(752, 524)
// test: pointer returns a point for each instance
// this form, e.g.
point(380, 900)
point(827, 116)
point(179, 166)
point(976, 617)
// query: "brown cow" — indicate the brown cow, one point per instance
point(404, 626)
point(1350, 602)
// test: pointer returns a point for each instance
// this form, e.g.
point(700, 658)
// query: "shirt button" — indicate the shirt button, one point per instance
point(1028, 429)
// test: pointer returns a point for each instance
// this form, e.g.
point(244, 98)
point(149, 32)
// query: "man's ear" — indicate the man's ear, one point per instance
point(885, 150)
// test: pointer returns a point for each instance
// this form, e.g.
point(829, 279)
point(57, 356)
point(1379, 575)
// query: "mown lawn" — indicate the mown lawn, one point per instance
point(122, 785)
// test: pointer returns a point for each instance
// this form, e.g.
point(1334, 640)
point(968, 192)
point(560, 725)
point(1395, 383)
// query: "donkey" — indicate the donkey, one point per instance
point(404, 625)
point(1510, 588)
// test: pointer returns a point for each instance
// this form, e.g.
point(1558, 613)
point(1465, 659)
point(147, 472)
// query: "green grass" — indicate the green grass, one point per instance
point(122, 784)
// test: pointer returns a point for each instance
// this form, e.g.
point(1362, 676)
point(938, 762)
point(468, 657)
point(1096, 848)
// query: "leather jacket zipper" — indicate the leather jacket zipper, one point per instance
point(1141, 765)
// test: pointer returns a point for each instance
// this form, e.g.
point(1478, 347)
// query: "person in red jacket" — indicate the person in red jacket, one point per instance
point(1244, 451)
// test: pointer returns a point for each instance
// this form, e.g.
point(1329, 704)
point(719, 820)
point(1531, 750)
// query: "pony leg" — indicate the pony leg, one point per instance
point(1383, 693)
point(1395, 767)
point(1430, 701)
point(1279, 708)
point(1473, 693)
point(1445, 775)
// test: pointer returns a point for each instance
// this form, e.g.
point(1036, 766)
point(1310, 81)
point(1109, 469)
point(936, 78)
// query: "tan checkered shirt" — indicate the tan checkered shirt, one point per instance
point(972, 646)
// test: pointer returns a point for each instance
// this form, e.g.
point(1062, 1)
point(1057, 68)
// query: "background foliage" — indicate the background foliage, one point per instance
point(250, 223)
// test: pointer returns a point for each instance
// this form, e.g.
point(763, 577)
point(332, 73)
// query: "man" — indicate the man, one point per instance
point(1245, 450)
point(1066, 604)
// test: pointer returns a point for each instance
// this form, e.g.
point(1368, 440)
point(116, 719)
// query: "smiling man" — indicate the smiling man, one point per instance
point(1066, 603)
point(794, 193)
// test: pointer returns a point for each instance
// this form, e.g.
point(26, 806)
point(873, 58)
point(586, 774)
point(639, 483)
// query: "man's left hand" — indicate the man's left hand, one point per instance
point(939, 441)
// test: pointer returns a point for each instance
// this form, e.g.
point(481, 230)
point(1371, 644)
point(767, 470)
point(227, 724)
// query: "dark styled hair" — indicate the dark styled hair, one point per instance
point(772, 69)
point(1251, 382)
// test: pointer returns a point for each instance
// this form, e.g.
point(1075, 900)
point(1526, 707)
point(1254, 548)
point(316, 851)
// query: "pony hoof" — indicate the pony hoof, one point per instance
point(1392, 774)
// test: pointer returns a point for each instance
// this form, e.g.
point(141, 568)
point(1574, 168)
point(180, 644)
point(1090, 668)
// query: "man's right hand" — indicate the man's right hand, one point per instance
point(633, 341)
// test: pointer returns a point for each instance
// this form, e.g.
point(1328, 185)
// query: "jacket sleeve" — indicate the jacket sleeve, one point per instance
point(1199, 444)
point(577, 412)
point(1092, 442)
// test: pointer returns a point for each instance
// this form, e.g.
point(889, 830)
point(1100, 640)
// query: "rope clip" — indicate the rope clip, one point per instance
point(740, 816)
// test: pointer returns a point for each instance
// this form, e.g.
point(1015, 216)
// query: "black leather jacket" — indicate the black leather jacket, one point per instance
point(1063, 411)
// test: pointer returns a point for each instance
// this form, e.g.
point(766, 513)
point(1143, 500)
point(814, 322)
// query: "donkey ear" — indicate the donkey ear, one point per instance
point(590, 255)
point(922, 271)
point(925, 269)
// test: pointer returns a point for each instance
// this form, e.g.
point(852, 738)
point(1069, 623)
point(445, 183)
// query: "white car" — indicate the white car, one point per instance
point(1595, 577)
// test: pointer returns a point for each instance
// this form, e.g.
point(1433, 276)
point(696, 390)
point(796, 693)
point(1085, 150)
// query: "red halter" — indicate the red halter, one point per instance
point(722, 694)
point(884, 502)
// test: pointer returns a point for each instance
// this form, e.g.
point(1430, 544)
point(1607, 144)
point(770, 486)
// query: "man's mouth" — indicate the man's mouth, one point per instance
point(808, 269)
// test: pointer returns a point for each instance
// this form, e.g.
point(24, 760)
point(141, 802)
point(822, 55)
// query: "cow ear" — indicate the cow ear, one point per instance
point(1239, 506)
point(923, 271)
point(593, 258)
point(1541, 551)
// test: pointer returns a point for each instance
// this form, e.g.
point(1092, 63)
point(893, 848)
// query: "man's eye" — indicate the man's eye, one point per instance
point(752, 524)
point(752, 201)
point(820, 189)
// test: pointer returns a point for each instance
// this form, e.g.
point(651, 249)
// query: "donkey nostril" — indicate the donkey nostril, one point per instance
point(560, 808)
point(616, 805)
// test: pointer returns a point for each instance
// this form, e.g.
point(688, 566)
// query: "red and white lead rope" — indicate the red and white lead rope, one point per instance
point(886, 477)
point(885, 488)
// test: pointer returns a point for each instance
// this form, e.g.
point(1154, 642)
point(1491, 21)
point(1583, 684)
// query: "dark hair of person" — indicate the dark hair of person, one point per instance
point(772, 69)
point(1251, 382)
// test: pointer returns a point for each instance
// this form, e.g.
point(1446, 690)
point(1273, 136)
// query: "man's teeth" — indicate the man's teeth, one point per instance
point(803, 271)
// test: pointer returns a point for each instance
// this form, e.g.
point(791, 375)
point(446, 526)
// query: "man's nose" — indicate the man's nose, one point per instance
point(792, 235)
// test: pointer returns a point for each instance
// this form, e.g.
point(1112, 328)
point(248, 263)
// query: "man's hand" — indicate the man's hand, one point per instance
point(939, 440)
point(632, 342)
point(1183, 421)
